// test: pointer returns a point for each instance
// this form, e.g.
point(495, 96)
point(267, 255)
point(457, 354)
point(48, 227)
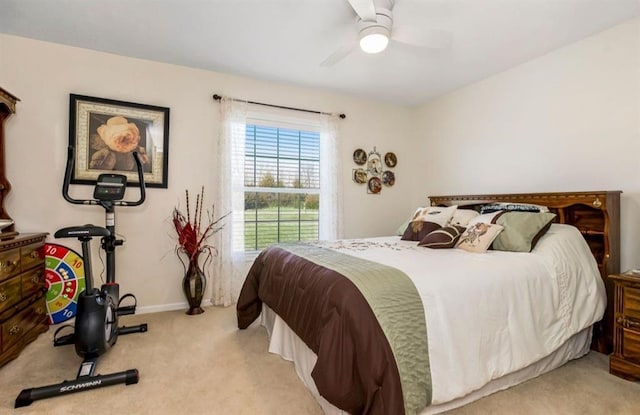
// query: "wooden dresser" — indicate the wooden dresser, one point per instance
point(23, 312)
point(625, 359)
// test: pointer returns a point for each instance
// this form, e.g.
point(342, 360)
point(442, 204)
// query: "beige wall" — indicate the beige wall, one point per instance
point(43, 75)
point(567, 121)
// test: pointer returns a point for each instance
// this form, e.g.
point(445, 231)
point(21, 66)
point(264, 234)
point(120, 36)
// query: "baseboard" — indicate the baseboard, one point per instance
point(167, 307)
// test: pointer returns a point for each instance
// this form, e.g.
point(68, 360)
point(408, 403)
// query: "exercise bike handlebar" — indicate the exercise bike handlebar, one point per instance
point(67, 180)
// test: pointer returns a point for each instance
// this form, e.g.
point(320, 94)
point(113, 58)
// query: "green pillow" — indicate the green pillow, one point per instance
point(403, 227)
point(522, 230)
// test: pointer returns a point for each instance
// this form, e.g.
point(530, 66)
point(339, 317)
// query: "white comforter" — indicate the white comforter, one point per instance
point(493, 313)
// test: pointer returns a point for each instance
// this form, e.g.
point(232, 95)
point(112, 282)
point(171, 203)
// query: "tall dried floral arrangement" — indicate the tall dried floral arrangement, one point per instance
point(192, 234)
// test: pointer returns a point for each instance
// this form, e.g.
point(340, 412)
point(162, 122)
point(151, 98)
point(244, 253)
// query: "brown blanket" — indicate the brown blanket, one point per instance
point(356, 369)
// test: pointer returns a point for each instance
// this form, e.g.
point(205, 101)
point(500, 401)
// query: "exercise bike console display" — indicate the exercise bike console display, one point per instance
point(110, 187)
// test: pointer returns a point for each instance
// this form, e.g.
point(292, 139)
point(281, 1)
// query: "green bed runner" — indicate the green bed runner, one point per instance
point(397, 305)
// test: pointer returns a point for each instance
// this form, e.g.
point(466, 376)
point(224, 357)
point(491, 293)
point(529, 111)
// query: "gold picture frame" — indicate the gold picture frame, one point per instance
point(104, 133)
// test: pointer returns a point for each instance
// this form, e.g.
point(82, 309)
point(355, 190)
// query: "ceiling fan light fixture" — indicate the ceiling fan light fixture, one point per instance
point(374, 39)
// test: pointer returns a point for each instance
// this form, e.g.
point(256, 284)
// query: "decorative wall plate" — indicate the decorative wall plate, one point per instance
point(360, 157)
point(390, 159)
point(374, 185)
point(375, 170)
point(388, 178)
point(374, 165)
point(359, 176)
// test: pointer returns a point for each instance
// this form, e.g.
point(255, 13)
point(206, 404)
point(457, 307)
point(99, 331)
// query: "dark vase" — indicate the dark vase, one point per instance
point(193, 285)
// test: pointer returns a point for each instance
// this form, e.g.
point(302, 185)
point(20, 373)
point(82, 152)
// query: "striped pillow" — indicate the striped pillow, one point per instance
point(512, 207)
point(442, 238)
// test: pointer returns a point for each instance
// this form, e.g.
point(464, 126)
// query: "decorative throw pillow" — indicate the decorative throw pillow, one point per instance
point(403, 227)
point(513, 207)
point(461, 217)
point(427, 219)
point(478, 237)
point(522, 230)
point(442, 238)
point(436, 214)
point(418, 229)
point(486, 218)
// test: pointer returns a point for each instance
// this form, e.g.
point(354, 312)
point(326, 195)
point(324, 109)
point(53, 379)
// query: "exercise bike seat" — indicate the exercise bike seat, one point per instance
point(82, 231)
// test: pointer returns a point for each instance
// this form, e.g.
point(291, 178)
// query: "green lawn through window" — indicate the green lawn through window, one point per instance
point(294, 225)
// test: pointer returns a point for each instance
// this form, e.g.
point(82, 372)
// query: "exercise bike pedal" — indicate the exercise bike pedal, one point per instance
point(64, 340)
point(127, 309)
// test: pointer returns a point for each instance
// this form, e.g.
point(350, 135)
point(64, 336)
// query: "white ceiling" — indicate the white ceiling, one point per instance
point(287, 40)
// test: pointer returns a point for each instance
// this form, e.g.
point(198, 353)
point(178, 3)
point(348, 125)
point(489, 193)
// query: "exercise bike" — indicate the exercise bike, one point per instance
point(96, 323)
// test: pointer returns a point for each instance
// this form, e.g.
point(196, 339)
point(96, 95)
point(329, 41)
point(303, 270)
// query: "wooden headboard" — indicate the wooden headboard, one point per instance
point(595, 214)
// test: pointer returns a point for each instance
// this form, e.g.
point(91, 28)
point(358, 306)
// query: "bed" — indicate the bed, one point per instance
point(383, 326)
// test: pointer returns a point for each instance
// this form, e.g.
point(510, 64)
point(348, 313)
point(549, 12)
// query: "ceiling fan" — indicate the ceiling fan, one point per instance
point(377, 28)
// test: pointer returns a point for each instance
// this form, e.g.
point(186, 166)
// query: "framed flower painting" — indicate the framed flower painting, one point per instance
point(104, 134)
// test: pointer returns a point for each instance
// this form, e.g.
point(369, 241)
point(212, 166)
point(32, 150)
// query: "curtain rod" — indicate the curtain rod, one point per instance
point(217, 97)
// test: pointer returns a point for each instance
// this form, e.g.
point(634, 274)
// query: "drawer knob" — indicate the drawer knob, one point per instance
point(626, 323)
point(3, 296)
point(597, 203)
point(15, 330)
point(34, 255)
point(35, 279)
point(8, 266)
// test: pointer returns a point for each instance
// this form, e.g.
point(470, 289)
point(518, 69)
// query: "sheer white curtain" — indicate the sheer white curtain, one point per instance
point(231, 266)
point(232, 263)
point(330, 179)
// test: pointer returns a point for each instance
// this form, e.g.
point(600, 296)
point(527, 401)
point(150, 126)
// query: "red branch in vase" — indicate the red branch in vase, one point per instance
point(192, 235)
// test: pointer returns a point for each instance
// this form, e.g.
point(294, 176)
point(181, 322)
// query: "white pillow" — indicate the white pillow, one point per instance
point(436, 214)
point(485, 218)
point(461, 217)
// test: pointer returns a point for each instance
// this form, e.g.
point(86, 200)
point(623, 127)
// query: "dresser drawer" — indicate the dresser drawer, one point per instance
point(32, 255)
point(631, 301)
point(10, 293)
point(9, 263)
point(16, 327)
point(631, 344)
point(32, 281)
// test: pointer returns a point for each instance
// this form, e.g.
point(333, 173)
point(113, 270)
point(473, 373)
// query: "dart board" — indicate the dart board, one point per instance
point(64, 280)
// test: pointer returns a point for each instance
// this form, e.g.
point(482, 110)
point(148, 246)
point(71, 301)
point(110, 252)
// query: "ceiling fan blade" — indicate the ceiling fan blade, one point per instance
point(425, 38)
point(364, 8)
point(337, 56)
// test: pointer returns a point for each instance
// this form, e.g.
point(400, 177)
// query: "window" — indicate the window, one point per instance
point(278, 139)
point(281, 186)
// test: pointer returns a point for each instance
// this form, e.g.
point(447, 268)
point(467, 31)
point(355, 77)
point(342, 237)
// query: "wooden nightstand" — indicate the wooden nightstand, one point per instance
point(625, 359)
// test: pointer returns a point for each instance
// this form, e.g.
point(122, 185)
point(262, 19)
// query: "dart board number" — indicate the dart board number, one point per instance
point(64, 280)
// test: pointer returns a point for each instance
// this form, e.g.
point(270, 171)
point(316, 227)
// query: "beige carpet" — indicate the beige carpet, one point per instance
point(204, 365)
